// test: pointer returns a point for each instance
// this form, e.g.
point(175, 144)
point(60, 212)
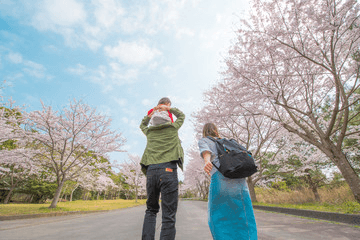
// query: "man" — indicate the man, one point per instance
point(162, 155)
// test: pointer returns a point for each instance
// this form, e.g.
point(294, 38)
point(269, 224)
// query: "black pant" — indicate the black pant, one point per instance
point(161, 178)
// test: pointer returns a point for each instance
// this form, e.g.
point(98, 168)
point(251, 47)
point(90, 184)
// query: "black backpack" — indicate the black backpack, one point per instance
point(235, 160)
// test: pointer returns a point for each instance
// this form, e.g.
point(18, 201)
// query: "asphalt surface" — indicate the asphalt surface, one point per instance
point(126, 224)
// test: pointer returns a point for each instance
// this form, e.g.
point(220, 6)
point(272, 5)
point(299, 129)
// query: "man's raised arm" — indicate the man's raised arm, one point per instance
point(144, 124)
point(180, 117)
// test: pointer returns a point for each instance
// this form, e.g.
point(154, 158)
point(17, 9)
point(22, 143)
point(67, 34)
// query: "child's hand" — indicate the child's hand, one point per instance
point(164, 107)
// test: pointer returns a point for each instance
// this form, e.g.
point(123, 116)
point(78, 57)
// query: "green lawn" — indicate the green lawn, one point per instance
point(348, 207)
point(16, 209)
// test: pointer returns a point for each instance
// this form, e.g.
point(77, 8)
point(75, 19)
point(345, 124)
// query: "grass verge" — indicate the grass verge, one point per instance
point(95, 205)
point(347, 207)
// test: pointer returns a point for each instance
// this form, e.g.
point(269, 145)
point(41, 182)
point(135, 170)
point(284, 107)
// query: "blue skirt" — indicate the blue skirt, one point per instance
point(230, 211)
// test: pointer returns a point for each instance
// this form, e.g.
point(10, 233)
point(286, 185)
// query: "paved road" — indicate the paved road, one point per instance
point(126, 224)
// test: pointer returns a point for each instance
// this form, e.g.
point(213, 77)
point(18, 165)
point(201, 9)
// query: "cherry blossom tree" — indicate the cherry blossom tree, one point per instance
point(119, 181)
point(15, 165)
point(69, 141)
point(256, 133)
point(301, 60)
point(7, 121)
point(271, 145)
point(195, 178)
point(77, 184)
point(133, 175)
point(102, 183)
point(18, 169)
point(302, 159)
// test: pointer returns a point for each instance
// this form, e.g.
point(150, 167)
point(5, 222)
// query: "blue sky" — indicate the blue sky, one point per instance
point(118, 56)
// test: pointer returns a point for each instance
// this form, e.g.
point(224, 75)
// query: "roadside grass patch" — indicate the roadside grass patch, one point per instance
point(339, 199)
point(347, 207)
point(79, 205)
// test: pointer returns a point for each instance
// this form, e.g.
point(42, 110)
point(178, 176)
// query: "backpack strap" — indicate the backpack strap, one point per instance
point(211, 138)
point(217, 148)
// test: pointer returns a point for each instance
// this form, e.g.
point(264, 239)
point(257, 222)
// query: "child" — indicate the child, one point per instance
point(158, 115)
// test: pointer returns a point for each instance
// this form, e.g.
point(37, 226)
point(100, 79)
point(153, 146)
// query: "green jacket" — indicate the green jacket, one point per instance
point(163, 143)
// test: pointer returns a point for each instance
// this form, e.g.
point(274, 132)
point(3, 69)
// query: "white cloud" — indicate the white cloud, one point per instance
point(120, 101)
point(107, 12)
point(51, 48)
point(125, 120)
point(64, 13)
point(105, 110)
point(69, 19)
point(15, 76)
point(78, 70)
point(29, 67)
point(132, 52)
point(184, 32)
point(146, 102)
point(93, 44)
point(184, 102)
point(34, 65)
point(152, 18)
point(106, 76)
point(15, 58)
point(134, 123)
point(134, 20)
point(35, 69)
point(169, 71)
point(126, 147)
point(118, 73)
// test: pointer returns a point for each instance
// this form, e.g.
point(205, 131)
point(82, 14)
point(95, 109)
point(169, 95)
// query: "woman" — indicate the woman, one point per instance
point(230, 212)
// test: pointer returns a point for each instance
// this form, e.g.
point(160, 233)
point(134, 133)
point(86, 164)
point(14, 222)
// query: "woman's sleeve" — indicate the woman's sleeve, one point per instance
point(204, 146)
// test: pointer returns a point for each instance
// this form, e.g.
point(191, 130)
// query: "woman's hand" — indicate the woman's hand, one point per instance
point(208, 165)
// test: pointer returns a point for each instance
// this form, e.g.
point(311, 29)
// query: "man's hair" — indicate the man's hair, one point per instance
point(164, 100)
point(210, 130)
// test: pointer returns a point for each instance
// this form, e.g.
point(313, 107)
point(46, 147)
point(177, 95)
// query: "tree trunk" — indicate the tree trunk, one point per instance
point(251, 187)
point(27, 199)
point(316, 194)
point(84, 195)
point(347, 171)
point(71, 195)
point(313, 187)
point(98, 195)
point(8, 197)
point(57, 195)
point(136, 194)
